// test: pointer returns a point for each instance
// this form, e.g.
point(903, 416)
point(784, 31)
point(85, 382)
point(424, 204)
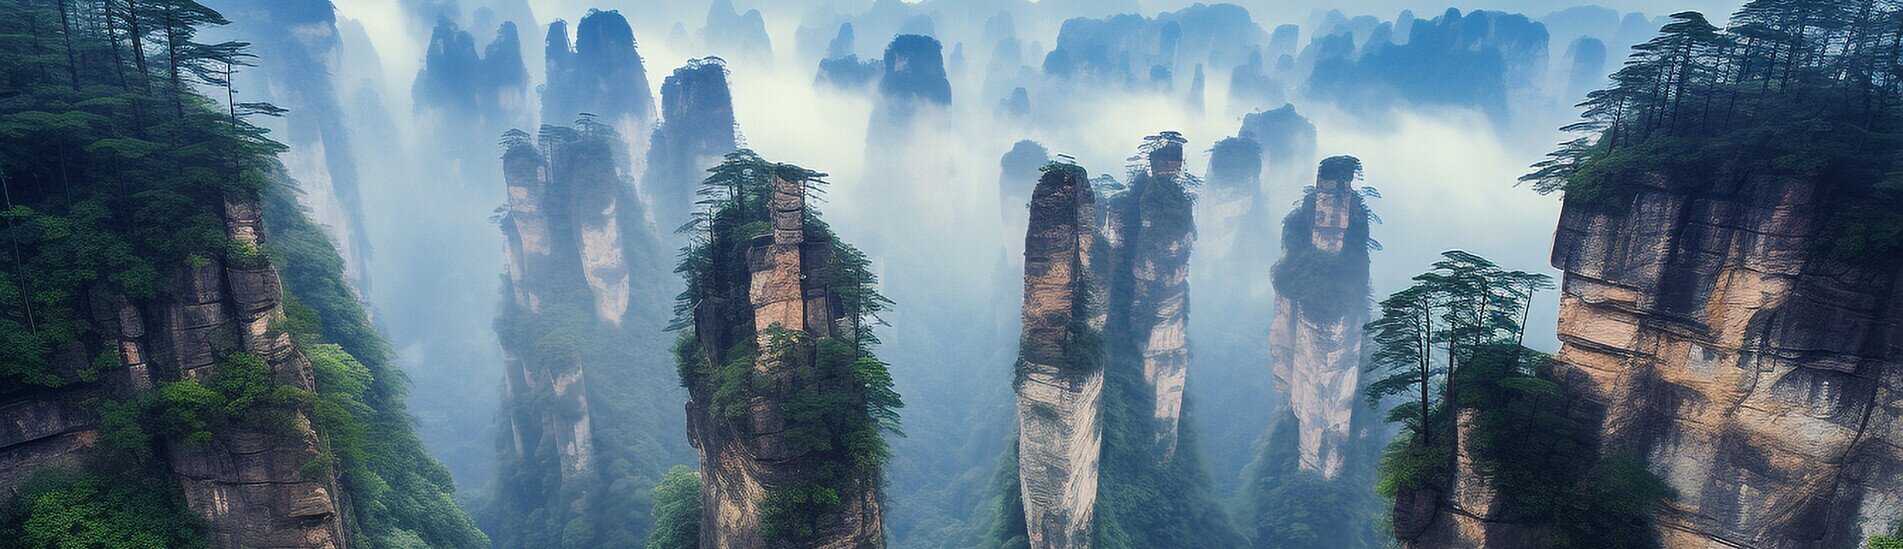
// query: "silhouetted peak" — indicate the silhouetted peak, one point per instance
point(841, 45)
point(915, 69)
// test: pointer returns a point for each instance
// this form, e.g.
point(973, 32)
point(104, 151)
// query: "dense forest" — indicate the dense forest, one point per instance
point(124, 185)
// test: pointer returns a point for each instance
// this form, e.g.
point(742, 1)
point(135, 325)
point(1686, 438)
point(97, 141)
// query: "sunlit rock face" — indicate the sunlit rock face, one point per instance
point(697, 128)
point(544, 254)
point(1153, 230)
point(1060, 369)
point(568, 258)
point(1755, 375)
point(1320, 305)
point(600, 74)
point(1705, 333)
point(741, 460)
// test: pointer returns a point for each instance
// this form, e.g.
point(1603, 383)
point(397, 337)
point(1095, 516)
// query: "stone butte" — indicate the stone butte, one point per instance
point(740, 461)
point(1060, 390)
point(1706, 335)
point(1315, 341)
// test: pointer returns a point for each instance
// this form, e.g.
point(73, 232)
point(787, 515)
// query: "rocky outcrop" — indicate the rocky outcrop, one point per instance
point(250, 483)
point(489, 90)
point(1151, 231)
point(1060, 370)
point(753, 445)
point(1320, 305)
point(601, 75)
point(914, 76)
point(566, 271)
point(299, 52)
point(697, 128)
point(1757, 376)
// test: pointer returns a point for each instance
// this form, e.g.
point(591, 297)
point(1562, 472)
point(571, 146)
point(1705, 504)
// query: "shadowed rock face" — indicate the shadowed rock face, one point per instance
point(1060, 375)
point(491, 89)
point(1758, 378)
point(1151, 230)
point(697, 128)
point(298, 46)
point(740, 461)
point(730, 32)
point(602, 74)
point(1315, 340)
point(915, 71)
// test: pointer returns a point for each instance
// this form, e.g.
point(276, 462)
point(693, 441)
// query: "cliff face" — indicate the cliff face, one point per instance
point(782, 433)
point(1756, 376)
point(584, 381)
point(1151, 232)
point(697, 128)
point(1315, 338)
point(1060, 372)
point(249, 484)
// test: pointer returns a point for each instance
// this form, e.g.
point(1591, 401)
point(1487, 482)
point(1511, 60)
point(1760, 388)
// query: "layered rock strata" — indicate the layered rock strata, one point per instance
point(1753, 373)
point(1705, 334)
point(1059, 374)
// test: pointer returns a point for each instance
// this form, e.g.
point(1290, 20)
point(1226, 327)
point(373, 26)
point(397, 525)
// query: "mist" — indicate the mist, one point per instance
point(916, 184)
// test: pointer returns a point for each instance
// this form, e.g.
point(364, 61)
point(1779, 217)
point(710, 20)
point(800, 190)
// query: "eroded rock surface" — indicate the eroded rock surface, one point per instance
point(1060, 377)
point(742, 461)
point(1758, 377)
point(1706, 335)
point(1153, 236)
point(1315, 338)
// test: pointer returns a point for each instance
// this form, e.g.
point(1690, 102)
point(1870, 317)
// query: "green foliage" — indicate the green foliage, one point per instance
point(1459, 330)
point(72, 510)
point(401, 497)
point(1408, 465)
point(1326, 283)
point(837, 397)
point(1143, 499)
point(1796, 90)
point(117, 172)
point(676, 510)
point(1288, 507)
point(115, 168)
